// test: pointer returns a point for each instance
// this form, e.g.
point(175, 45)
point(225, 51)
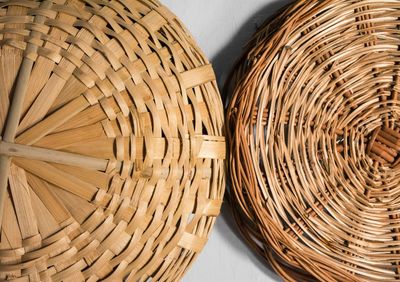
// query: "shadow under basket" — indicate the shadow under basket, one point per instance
point(313, 126)
point(112, 147)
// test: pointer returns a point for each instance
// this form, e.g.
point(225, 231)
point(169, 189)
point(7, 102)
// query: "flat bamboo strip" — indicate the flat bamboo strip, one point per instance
point(53, 121)
point(58, 141)
point(11, 242)
point(46, 222)
point(10, 231)
point(22, 199)
point(78, 207)
point(49, 199)
point(11, 236)
point(59, 178)
point(15, 110)
point(98, 178)
point(10, 62)
point(13, 121)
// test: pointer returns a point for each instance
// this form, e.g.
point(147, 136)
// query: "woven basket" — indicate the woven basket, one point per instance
point(314, 136)
point(112, 143)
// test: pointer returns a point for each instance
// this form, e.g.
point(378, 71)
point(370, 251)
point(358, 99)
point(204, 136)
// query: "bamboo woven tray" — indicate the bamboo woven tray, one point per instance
point(314, 135)
point(111, 158)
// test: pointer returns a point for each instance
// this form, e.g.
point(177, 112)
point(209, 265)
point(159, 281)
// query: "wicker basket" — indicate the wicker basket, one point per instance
point(314, 136)
point(112, 143)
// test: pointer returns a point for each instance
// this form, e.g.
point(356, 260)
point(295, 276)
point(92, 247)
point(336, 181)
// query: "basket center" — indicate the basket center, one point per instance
point(384, 146)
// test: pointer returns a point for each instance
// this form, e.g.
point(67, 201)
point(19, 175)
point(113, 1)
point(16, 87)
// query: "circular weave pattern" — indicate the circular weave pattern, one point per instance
point(314, 137)
point(112, 147)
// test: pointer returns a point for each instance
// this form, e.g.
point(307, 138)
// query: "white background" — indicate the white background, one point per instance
point(222, 28)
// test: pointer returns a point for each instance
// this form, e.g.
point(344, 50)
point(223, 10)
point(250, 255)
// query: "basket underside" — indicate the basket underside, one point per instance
point(112, 148)
point(314, 132)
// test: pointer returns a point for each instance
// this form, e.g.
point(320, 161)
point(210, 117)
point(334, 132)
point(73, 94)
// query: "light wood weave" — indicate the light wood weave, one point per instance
point(112, 147)
point(314, 126)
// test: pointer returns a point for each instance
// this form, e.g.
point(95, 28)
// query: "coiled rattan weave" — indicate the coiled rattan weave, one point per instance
point(314, 139)
point(111, 158)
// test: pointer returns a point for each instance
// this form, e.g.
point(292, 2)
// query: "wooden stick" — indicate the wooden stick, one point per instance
point(14, 113)
point(15, 110)
point(41, 154)
point(13, 118)
point(4, 168)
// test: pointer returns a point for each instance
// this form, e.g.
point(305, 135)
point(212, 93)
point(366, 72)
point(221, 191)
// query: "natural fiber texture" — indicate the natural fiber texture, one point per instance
point(314, 139)
point(112, 142)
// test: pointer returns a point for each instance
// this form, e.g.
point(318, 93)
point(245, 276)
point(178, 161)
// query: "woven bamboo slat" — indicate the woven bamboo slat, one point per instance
point(314, 135)
point(112, 148)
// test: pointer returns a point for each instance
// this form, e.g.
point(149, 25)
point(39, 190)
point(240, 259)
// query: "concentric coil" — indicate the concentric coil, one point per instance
point(314, 140)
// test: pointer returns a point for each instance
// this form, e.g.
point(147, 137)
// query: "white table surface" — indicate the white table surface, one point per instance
point(222, 28)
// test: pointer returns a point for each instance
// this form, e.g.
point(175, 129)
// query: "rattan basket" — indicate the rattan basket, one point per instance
point(112, 142)
point(314, 136)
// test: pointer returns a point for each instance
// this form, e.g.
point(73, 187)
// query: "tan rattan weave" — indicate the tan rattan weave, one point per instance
point(315, 143)
point(111, 159)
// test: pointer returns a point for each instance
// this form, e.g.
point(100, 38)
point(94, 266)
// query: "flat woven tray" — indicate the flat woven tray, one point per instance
point(112, 148)
point(315, 143)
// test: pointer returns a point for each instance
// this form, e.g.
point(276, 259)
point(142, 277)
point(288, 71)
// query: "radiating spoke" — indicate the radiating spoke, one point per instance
point(41, 154)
